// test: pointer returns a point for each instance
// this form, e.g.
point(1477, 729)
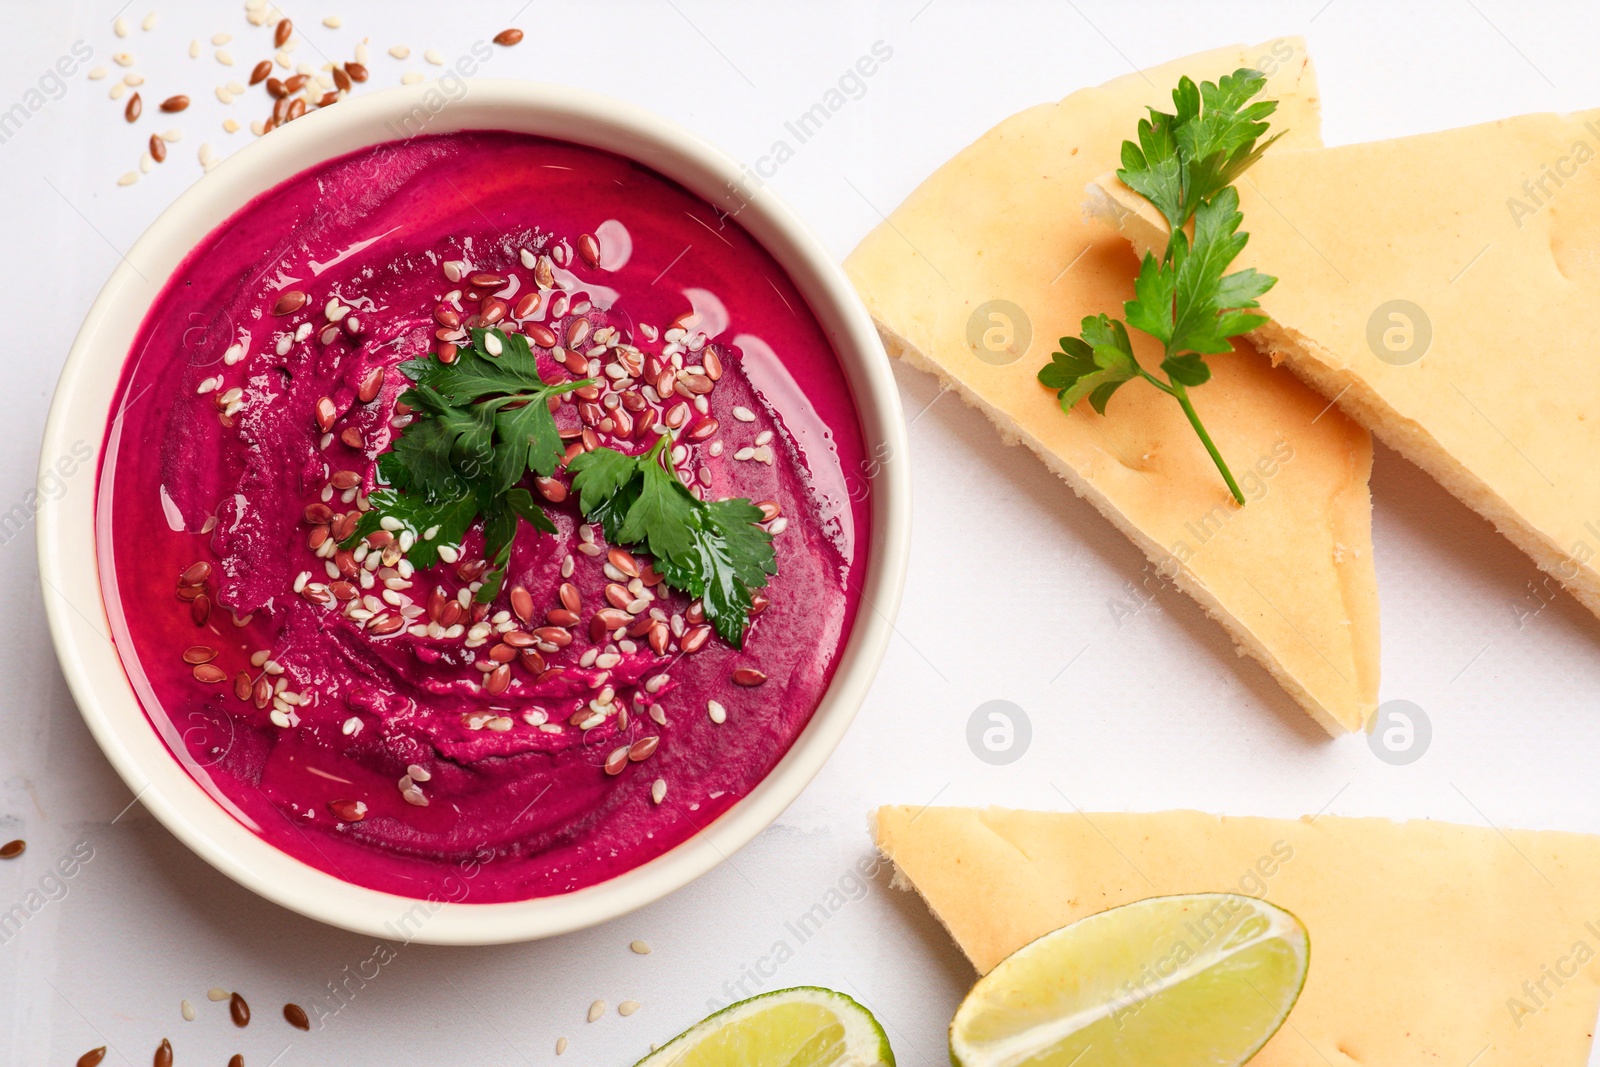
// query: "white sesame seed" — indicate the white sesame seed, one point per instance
point(148, 23)
point(432, 56)
point(225, 57)
point(597, 1009)
point(763, 437)
point(561, 1045)
point(351, 727)
point(719, 714)
point(333, 22)
point(745, 453)
point(627, 1007)
point(194, 48)
point(410, 77)
point(120, 27)
point(641, 948)
point(220, 39)
point(97, 73)
point(491, 344)
point(744, 414)
point(400, 51)
point(658, 790)
point(187, 1010)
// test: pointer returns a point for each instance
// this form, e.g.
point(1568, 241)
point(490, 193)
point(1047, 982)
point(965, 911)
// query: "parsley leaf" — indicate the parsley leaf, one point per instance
point(712, 550)
point(1184, 158)
point(1184, 163)
point(480, 424)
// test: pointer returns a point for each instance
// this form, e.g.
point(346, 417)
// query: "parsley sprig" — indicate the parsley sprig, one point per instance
point(1185, 164)
point(482, 423)
point(711, 549)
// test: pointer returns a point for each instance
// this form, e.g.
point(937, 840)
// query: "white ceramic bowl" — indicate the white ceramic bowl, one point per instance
point(66, 524)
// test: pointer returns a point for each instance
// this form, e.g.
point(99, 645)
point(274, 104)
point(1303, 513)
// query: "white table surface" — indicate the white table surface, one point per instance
point(1155, 713)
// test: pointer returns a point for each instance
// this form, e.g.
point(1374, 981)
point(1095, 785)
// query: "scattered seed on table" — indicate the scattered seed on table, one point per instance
point(186, 1009)
point(295, 1015)
point(174, 104)
point(135, 106)
point(640, 947)
point(597, 1009)
point(507, 38)
point(239, 1010)
point(561, 1045)
point(216, 994)
point(627, 1007)
point(93, 1057)
point(12, 849)
point(163, 1056)
point(400, 51)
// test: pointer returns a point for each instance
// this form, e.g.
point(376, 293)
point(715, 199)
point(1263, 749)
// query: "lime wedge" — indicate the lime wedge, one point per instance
point(1183, 981)
point(801, 1027)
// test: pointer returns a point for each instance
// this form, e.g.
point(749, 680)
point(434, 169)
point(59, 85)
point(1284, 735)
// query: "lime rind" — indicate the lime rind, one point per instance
point(804, 1026)
point(1200, 980)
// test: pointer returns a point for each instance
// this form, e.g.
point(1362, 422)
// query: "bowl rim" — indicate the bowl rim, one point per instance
point(81, 410)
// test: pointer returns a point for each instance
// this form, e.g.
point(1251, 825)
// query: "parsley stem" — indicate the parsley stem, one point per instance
point(1182, 395)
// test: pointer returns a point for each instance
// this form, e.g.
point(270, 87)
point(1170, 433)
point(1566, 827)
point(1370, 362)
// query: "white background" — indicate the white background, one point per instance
point(1011, 577)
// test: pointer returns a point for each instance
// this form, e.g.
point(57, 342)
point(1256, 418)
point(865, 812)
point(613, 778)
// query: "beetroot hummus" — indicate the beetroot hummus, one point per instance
point(376, 719)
